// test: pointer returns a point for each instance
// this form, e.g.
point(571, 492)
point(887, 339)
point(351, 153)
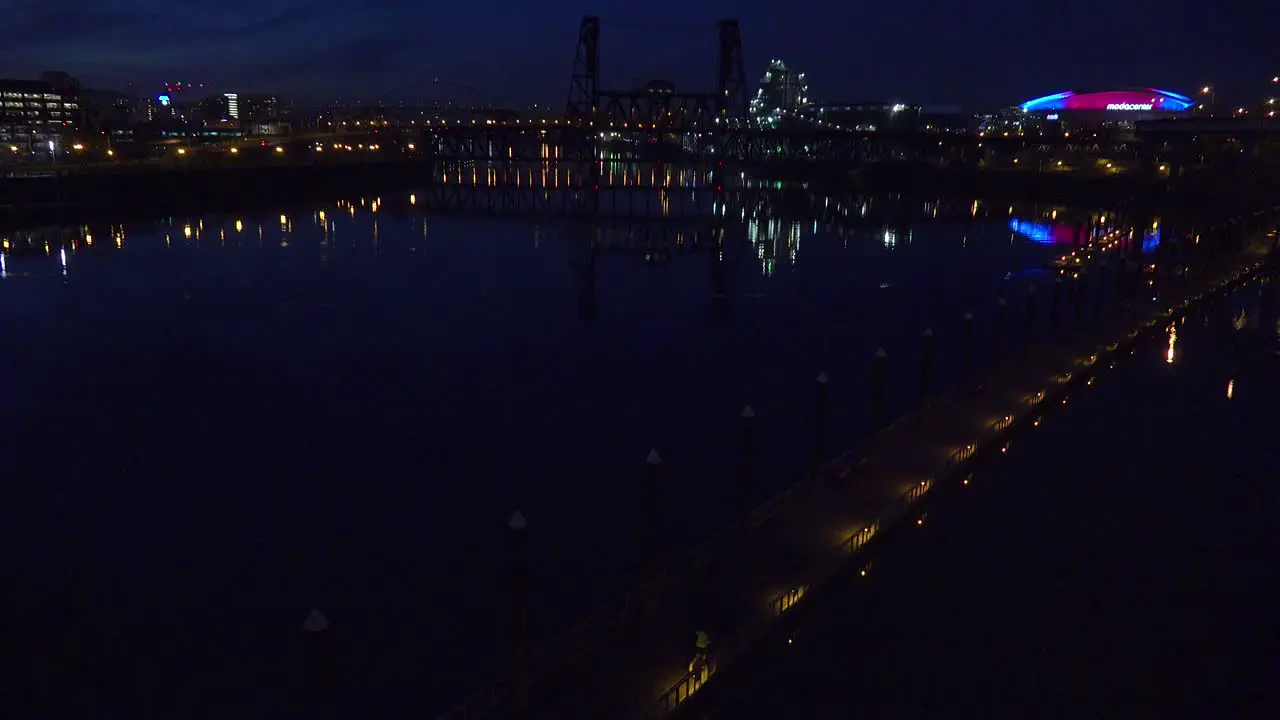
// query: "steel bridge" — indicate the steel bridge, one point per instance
point(658, 123)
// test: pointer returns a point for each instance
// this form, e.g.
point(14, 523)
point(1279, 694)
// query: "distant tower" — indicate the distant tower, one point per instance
point(783, 92)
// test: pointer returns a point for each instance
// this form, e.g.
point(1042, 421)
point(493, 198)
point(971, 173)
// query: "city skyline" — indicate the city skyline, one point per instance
point(516, 55)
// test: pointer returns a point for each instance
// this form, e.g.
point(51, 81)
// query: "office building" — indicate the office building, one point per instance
point(37, 117)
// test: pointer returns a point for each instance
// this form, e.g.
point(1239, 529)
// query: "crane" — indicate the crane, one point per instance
point(480, 96)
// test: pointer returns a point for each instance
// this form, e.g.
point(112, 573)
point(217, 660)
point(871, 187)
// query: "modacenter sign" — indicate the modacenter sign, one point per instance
point(1128, 106)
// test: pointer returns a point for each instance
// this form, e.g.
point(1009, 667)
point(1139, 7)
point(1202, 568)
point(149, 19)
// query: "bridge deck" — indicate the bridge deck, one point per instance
point(802, 539)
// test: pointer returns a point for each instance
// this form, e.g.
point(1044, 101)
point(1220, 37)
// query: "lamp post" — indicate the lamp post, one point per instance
point(1208, 92)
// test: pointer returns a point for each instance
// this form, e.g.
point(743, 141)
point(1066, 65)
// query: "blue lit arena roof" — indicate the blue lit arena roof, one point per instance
point(1139, 100)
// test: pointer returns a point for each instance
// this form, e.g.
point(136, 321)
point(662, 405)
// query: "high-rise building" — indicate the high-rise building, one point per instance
point(239, 107)
point(783, 93)
point(252, 114)
point(36, 117)
point(259, 108)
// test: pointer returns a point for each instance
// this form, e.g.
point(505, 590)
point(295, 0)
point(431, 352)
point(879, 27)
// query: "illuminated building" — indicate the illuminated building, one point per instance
point(1146, 100)
point(1107, 108)
point(869, 116)
point(258, 108)
point(36, 116)
point(783, 92)
point(252, 114)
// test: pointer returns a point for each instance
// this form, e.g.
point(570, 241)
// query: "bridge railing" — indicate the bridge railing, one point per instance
point(686, 686)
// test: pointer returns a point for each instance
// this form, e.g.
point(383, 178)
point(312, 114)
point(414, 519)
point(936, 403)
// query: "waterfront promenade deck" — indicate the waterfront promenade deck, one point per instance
point(631, 661)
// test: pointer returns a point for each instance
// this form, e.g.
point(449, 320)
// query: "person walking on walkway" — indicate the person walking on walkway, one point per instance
point(701, 649)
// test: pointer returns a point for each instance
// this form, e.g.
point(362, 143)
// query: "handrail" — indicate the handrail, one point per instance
point(855, 541)
point(787, 599)
point(686, 686)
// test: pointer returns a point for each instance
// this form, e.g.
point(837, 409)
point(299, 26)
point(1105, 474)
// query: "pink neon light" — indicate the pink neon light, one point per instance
point(1119, 99)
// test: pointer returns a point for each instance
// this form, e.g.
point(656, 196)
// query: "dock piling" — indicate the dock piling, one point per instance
point(997, 337)
point(820, 410)
point(877, 389)
point(520, 641)
point(926, 363)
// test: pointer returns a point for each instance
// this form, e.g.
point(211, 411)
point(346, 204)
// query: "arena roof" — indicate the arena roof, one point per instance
point(1142, 99)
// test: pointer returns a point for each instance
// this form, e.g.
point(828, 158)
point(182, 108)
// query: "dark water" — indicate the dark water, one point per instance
point(1120, 562)
point(206, 436)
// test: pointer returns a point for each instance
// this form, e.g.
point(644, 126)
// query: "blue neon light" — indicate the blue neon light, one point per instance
point(1035, 232)
point(1173, 95)
point(1150, 241)
point(1070, 100)
point(1048, 102)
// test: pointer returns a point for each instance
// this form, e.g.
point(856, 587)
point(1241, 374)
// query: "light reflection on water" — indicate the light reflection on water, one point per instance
point(339, 406)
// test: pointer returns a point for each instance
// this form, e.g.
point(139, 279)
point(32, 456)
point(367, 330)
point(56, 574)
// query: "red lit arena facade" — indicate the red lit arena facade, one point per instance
point(1117, 109)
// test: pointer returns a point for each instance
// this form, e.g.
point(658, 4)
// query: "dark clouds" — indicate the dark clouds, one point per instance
point(997, 52)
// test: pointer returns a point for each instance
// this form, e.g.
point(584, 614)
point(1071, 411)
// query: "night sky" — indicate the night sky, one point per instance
point(929, 51)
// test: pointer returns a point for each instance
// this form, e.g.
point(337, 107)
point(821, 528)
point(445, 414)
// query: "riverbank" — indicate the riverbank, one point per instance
point(147, 191)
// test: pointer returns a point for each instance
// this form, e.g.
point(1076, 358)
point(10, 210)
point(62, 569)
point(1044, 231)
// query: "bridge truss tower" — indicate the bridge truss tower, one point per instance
point(584, 87)
point(658, 106)
point(731, 75)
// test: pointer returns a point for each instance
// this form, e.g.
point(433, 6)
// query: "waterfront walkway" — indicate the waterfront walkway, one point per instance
point(631, 661)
